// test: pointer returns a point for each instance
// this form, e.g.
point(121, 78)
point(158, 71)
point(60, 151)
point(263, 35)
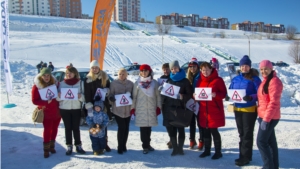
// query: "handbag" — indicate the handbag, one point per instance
point(180, 117)
point(38, 115)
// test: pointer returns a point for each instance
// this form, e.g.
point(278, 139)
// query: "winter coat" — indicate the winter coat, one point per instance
point(269, 104)
point(211, 113)
point(51, 110)
point(170, 103)
point(145, 106)
point(196, 78)
point(251, 86)
point(71, 104)
point(99, 118)
point(51, 67)
point(120, 87)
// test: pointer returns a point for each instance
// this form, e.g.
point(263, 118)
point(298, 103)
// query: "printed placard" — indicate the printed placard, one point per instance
point(236, 95)
point(203, 93)
point(170, 90)
point(161, 81)
point(69, 94)
point(48, 93)
point(123, 100)
point(193, 106)
point(101, 92)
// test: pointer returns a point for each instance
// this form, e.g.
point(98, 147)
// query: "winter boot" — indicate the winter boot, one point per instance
point(200, 145)
point(46, 150)
point(193, 143)
point(79, 149)
point(107, 148)
point(207, 147)
point(52, 146)
point(120, 150)
point(218, 146)
point(174, 144)
point(69, 150)
point(180, 146)
point(169, 144)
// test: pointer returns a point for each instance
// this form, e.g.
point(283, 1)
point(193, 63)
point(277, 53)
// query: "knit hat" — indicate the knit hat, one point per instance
point(193, 61)
point(266, 63)
point(165, 65)
point(44, 71)
point(245, 61)
point(94, 63)
point(214, 60)
point(145, 67)
point(173, 64)
point(99, 102)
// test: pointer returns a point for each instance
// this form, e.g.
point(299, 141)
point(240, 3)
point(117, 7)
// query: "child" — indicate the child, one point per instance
point(97, 121)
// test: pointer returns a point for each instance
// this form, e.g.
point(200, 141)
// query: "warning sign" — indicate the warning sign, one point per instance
point(193, 106)
point(170, 90)
point(236, 95)
point(203, 93)
point(48, 93)
point(123, 100)
point(69, 94)
point(101, 92)
point(161, 81)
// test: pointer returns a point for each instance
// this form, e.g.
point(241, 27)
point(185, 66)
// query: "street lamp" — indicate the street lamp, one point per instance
point(248, 42)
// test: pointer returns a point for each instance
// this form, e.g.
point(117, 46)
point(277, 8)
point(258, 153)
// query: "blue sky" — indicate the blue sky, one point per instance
point(285, 12)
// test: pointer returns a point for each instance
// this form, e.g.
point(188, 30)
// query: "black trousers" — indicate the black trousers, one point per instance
point(71, 119)
point(208, 132)
point(193, 128)
point(173, 132)
point(123, 131)
point(245, 123)
point(145, 133)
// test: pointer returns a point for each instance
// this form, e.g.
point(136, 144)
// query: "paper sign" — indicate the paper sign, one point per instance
point(161, 81)
point(101, 92)
point(236, 95)
point(123, 100)
point(69, 94)
point(170, 90)
point(193, 106)
point(203, 93)
point(48, 93)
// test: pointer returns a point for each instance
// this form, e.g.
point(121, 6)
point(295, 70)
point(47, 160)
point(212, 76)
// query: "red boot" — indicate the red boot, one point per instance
point(193, 143)
point(200, 145)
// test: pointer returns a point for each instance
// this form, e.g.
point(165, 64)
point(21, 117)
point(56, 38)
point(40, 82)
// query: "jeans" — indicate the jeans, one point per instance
point(267, 145)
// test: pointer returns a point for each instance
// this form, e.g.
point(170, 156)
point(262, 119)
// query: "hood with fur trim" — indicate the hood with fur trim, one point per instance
point(38, 83)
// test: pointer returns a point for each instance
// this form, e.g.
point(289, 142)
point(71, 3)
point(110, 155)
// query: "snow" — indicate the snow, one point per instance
point(62, 40)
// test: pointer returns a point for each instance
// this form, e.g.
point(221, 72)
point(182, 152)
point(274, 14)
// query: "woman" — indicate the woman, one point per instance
point(51, 111)
point(122, 113)
point(211, 113)
point(245, 113)
point(70, 110)
point(177, 78)
point(146, 105)
point(96, 78)
point(193, 75)
point(269, 94)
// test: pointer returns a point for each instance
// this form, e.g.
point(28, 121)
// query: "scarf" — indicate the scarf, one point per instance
point(71, 82)
point(178, 76)
point(146, 85)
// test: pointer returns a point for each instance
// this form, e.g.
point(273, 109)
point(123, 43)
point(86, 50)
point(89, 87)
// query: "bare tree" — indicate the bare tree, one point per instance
point(290, 32)
point(222, 34)
point(164, 28)
point(159, 28)
point(294, 51)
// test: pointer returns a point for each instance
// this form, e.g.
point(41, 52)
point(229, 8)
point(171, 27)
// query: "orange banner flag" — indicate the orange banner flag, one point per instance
point(100, 27)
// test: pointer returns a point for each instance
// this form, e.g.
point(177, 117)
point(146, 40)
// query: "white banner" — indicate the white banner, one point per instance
point(236, 95)
point(123, 100)
point(203, 93)
point(170, 90)
point(48, 93)
point(5, 44)
point(69, 94)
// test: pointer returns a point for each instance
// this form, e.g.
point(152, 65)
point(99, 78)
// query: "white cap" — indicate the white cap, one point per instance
point(94, 63)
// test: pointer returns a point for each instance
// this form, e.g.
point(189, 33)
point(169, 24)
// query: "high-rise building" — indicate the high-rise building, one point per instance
point(127, 10)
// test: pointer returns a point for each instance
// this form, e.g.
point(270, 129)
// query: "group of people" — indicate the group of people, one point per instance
point(262, 99)
point(42, 65)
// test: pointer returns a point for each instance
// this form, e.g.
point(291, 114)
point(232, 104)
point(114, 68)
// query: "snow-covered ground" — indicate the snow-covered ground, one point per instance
point(62, 41)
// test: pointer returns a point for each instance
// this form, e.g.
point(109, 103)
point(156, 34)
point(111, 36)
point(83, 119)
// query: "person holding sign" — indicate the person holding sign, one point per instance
point(269, 94)
point(211, 113)
point(122, 113)
point(146, 105)
point(245, 113)
point(70, 109)
point(178, 78)
point(51, 112)
point(193, 75)
point(95, 79)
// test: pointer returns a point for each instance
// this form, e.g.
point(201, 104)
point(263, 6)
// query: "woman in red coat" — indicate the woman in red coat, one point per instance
point(211, 113)
point(51, 110)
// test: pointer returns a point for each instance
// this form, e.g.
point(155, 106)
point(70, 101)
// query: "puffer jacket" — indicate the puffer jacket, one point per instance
point(120, 87)
point(251, 86)
point(211, 113)
point(71, 104)
point(145, 106)
point(269, 104)
point(51, 110)
point(99, 118)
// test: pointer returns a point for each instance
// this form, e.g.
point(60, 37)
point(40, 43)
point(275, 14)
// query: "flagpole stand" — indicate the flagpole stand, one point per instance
point(9, 105)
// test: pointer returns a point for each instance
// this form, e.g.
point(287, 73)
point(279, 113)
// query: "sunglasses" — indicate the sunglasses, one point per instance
point(193, 66)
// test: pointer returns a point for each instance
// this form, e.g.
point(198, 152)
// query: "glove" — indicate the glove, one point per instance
point(247, 98)
point(160, 88)
point(158, 111)
point(227, 98)
point(112, 98)
point(128, 93)
point(90, 112)
point(263, 125)
point(132, 112)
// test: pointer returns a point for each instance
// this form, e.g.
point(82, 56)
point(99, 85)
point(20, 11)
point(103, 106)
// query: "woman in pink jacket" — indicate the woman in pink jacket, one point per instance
point(269, 94)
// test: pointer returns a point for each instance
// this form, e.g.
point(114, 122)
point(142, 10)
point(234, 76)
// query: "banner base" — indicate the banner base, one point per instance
point(11, 105)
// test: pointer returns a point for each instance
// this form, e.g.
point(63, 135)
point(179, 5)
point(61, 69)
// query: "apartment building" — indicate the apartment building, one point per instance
point(62, 8)
point(127, 10)
point(258, 27)
point(193, 20)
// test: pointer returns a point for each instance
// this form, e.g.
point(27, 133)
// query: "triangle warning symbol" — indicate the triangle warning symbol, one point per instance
point(124, 100)
point(49, 94)
point(170, 91)
point(193, 106)
point(236, 96)
point(69, 94)
point(203, 94)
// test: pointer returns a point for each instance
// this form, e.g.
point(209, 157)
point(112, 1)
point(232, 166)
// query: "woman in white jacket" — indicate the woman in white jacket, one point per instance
point(70, 110)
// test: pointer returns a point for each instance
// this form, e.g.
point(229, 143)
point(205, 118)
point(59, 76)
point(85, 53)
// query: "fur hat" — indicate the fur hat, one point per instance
point(266, 63)
point(99, 102)
point(94, 63)
point(44, 71)
point(193, 61)
point(173, 64)
point(245, 61)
